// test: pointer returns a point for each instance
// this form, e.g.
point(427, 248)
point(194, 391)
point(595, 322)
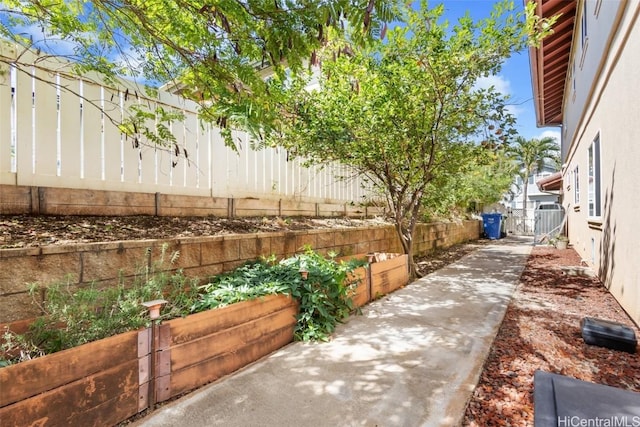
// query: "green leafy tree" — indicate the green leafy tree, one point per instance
point(530, 156)
point(404, 111)
point(487, 175)
point(211, 51)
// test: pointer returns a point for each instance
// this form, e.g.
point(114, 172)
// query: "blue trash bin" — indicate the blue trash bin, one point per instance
point(491, 223)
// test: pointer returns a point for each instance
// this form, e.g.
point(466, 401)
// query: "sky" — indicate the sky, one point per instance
point(515, 78)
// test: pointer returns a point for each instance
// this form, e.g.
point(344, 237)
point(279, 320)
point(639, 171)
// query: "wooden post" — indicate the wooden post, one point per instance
point(144, 368)
point(157, 204)
point(154, 314)
point(231, 207)
point(36, 196)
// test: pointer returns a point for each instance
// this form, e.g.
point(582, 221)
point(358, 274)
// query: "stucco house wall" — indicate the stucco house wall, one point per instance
point(601, 145)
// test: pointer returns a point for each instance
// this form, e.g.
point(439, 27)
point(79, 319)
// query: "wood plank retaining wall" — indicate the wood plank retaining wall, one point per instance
point(93, 384)
point(107, 381)
point(32, 200)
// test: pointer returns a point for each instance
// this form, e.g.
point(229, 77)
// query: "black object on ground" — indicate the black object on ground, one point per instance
point(563, 401)
point(604, 333)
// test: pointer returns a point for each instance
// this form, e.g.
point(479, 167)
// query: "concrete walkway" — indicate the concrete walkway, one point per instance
point(412, 359)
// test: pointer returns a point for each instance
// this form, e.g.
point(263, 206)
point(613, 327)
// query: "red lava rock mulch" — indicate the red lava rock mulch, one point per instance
point(541, 330)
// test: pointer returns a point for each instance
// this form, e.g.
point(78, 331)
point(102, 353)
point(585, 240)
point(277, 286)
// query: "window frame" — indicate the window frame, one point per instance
point(595, 178)
point(584, 36)
point(576, 185)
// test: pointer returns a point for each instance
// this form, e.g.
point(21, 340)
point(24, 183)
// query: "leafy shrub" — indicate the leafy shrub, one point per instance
point(249, 281)
point(323, 295)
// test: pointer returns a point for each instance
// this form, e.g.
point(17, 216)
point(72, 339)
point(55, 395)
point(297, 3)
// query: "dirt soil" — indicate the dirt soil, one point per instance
point(22, 231)
point(541, 330)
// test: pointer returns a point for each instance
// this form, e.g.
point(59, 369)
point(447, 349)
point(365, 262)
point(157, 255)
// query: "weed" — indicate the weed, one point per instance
point(74, 315)
point(15, 348)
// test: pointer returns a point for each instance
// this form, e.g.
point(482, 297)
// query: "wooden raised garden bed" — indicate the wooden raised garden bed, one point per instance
point(107, 381)
point(206, 346)
point(388, 273)
point(96, 383)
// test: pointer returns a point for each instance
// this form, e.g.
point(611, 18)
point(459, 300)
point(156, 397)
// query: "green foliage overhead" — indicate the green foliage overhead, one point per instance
point(531, 155)
point(210, 51)
point(405, 111)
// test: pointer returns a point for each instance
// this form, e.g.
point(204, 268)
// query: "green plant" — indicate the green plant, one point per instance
point(15, 348)
point(553, 241)
point(323, 295)
point(249, 281)
point(406, 111)
point(74, 315)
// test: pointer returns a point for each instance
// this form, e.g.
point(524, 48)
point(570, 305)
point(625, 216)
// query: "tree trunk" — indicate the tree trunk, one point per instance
point(525, 194)
point(406, 235)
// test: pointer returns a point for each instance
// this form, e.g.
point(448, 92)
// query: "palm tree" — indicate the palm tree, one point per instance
point(531, 155)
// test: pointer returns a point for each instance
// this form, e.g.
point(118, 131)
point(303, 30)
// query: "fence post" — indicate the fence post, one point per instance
point(231, 208)
point(35, 200)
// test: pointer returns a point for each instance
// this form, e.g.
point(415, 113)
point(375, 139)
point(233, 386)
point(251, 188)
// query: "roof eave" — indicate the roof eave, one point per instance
point(551, 59)
point(552, 182)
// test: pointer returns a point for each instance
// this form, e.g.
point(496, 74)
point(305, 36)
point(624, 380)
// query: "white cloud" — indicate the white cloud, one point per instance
point(48, 43)
point(550, 133)
point(498, 82)
point(503, 86)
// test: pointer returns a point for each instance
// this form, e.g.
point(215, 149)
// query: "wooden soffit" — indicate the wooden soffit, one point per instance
point(550, 61)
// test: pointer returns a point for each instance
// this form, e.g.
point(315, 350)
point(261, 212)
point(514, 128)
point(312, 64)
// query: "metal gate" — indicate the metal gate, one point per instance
point(544, 222)
point(518, 224)
point(548, 222)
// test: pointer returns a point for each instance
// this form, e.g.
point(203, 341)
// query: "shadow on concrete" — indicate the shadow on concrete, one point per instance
point(412, 359)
